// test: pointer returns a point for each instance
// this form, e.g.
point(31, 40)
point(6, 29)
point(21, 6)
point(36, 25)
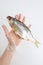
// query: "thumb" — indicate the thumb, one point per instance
point(5, 29)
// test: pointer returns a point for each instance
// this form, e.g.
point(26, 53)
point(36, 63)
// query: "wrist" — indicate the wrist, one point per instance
point(11, 47)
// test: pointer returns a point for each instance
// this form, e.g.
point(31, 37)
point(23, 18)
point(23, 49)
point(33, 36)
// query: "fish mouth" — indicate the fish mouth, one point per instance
point(8, 17)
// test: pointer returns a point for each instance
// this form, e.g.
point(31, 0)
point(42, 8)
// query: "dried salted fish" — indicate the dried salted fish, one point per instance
point(22, 30)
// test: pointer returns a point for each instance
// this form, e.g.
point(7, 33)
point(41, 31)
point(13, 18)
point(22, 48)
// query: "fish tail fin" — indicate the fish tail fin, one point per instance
point(36, 43)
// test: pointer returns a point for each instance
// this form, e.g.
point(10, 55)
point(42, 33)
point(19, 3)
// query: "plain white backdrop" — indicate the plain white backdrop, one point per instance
point(26, 53)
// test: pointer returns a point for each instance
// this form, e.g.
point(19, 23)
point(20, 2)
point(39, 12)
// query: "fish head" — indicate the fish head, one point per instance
point(9, 18)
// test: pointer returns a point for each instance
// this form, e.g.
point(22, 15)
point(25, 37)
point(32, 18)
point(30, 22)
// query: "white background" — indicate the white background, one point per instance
point(26, 53)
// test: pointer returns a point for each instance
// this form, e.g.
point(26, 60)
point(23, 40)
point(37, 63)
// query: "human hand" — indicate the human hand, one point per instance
point(11, 36)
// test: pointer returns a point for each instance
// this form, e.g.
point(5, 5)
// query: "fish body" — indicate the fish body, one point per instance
point(22, 30)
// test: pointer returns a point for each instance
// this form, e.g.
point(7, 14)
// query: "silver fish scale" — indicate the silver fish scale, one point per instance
point(20, 30)
point(21, 25)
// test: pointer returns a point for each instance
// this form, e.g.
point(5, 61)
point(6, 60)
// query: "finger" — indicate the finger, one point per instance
point(5, 29)
point(23, 19)
point(17, 17)
point(29, 25)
